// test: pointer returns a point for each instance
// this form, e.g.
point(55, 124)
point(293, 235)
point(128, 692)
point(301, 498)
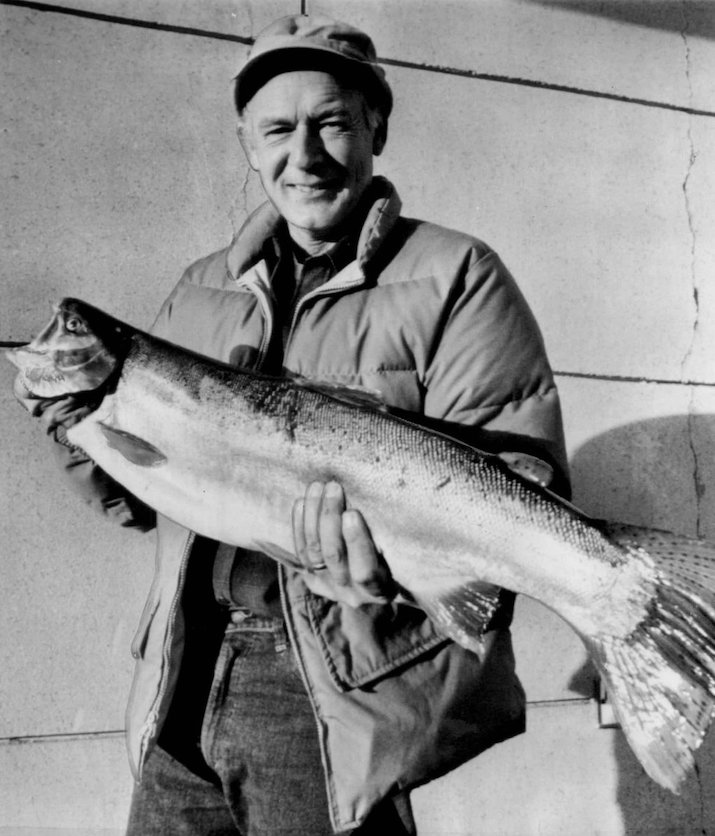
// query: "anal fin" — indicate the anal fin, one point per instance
point(464, 613)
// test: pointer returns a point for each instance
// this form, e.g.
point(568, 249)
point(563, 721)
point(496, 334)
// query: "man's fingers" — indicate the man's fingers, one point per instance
point(311, 524)
point(330, 532)
point(299, 532)
point(335, 546)
point(367, 568)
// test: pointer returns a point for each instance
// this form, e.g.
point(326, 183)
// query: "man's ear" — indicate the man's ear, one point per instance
point(244, 137)
point(379, 138)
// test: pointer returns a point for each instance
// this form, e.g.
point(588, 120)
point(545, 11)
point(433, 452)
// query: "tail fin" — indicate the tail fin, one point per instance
point(661, 678)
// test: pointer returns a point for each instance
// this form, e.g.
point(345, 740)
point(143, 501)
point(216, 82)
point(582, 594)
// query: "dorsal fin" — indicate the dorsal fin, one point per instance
point(528, 467)
point(345, 393)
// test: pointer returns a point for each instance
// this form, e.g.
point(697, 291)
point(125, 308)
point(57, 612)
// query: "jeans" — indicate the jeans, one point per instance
point(244, 759)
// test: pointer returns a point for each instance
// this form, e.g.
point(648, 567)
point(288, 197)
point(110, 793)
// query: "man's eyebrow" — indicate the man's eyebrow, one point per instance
point(329, 111)
point(270, 121)
point(334, 110)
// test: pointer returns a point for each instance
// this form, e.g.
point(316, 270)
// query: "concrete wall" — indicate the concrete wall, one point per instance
point(577, 138)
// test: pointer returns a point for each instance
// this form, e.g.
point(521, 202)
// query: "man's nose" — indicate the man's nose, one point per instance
point(306, 147)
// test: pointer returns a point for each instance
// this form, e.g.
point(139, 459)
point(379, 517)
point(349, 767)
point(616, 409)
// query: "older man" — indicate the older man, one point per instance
point(284, 702)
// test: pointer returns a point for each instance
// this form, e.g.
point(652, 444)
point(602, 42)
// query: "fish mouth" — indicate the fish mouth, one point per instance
point(22, 355)
point(53, 357)
point(13, 352)
point(73, 367)
point(9, 344)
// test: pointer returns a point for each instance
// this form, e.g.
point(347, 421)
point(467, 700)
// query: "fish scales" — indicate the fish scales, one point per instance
point(226, 452)
point(274, 430)
point(438, 498)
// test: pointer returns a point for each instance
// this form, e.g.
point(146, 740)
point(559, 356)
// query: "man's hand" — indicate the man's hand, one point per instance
point(53, 412)
point(335, 547)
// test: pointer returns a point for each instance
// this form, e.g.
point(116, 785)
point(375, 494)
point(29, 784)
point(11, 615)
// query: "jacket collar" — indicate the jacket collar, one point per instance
point(246, 249)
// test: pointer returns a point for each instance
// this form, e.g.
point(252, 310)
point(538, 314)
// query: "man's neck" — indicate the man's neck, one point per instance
point(313, 245)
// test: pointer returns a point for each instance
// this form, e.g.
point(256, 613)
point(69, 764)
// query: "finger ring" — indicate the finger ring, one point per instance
point(318, 567)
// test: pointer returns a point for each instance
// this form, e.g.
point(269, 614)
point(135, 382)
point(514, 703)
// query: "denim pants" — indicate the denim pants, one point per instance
point(239, 752)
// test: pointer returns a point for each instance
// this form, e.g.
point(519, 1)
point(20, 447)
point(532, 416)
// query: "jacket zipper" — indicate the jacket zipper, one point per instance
point(267, 308)
point(320, 291)
point(256, 284)
point(306, 684)
point(152, 718)
point(265, 301)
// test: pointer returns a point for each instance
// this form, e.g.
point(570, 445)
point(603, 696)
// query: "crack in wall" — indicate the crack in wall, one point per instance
point(239, 209)
point(692, 157)
point(698, 483)
point(251, 22)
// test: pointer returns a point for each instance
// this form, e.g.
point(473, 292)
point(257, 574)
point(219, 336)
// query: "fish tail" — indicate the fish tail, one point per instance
point(661, 678)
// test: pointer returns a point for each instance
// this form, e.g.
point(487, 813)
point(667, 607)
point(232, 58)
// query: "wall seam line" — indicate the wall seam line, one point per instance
point(392, 62)
point(128, 21)
point(628, 379)
point(547, 85)
point(19, 740)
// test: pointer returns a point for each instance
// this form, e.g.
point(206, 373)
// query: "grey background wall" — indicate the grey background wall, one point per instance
point(578, 138)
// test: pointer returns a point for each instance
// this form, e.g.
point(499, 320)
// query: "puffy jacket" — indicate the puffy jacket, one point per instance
point(433, 320)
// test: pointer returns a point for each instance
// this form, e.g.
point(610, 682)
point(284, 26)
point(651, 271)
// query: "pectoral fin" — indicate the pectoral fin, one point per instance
point(134, 449)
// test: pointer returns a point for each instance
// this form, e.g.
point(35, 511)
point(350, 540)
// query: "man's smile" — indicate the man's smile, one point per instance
point(312, 188)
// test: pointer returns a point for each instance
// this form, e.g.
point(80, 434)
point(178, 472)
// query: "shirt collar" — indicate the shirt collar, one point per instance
point(252, 241)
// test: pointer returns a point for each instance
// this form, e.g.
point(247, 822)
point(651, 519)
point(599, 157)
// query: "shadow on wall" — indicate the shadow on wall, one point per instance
point(648, 473)
point(658, 473)
point(693, 18)
point(650, 810)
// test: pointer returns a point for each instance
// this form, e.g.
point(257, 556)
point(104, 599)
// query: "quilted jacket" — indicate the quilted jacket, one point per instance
point(433, 320)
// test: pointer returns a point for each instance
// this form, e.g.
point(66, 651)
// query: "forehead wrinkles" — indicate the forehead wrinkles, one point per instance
point(292, 100)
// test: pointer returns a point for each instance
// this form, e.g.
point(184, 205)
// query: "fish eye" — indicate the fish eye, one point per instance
point(74, 324)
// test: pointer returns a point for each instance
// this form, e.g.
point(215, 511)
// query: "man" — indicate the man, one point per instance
point(274, 702)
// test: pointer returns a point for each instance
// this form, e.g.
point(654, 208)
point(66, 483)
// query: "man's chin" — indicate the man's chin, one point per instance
point(318, 224)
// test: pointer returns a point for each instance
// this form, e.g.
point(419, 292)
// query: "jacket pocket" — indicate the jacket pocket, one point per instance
point(362, 645)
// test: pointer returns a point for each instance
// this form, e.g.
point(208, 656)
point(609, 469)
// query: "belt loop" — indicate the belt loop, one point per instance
point(222, 568)
point(280, 638)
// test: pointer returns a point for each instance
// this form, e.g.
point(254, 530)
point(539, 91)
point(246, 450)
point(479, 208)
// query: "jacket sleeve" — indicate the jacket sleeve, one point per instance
point(97, 489)
point(489, 381)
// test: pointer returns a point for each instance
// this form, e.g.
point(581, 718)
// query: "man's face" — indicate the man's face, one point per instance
point(310, 140)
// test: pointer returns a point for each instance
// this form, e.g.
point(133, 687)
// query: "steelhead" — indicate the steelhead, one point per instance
point(225, 452)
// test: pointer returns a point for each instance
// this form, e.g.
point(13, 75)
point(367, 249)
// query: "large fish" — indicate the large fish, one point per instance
point(226, 452)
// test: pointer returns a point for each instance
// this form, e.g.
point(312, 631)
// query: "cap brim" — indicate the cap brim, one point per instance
point(261, 68)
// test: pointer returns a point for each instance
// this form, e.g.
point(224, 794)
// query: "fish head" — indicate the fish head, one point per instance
point(76, 351)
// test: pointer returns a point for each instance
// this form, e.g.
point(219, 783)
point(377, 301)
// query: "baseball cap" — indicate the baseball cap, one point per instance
point(314, 42)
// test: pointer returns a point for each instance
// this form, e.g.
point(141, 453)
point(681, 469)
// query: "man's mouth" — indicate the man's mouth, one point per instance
point(313, 188)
